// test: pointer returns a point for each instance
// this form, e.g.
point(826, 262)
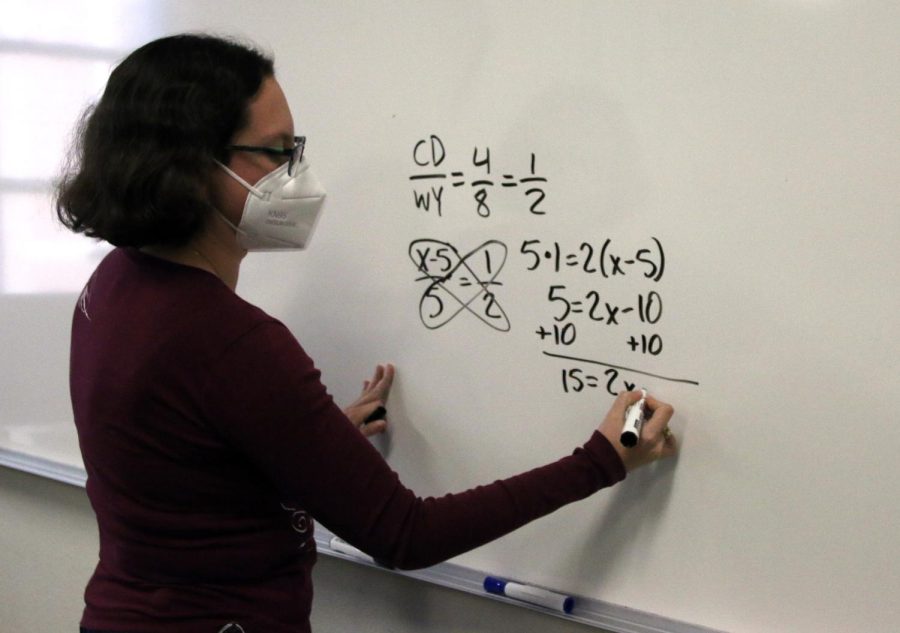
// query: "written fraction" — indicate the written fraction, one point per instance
point(582, 277)
point(430, 184)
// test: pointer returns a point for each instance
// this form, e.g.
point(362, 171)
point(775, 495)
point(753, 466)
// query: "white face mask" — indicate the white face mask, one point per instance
point(281, 210)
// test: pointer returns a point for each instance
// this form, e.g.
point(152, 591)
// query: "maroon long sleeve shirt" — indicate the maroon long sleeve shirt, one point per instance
point(210, 444)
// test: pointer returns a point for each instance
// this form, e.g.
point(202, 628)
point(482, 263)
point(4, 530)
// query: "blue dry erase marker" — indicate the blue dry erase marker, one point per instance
point(527, 593)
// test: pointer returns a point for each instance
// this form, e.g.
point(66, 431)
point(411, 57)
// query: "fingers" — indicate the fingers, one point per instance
point(656, 428)
point(374, 428)
point(383, 378)
point(656, 440)
point(362, 412)
point(387, 376)
point(669, 445)
point(379, 385)
point(661, 413)
point(379, 374)
point(614, 422)
point(374, 394)
point(624, 400)
point(373, 419)
point(369, 384)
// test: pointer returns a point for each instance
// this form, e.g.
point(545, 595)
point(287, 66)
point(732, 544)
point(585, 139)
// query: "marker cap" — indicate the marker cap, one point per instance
point(629, 439)
point(494, 585)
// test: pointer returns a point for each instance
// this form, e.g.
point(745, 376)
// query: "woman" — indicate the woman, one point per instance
point(208, 439)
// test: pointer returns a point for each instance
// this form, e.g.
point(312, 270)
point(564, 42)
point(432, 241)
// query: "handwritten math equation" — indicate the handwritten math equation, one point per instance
point(629, 325)
point(459, 282)
point(603, 295)
point(432, 179)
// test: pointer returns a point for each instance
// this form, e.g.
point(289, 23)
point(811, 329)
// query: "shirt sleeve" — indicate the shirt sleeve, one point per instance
point(264, 395)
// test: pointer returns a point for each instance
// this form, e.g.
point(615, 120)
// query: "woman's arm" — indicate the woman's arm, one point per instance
point(265, 397)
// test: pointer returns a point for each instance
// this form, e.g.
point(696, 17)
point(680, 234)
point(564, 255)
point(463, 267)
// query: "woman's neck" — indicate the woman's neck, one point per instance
point(207, 252)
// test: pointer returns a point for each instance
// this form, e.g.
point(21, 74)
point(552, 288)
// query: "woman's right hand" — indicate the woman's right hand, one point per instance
point(656, 441)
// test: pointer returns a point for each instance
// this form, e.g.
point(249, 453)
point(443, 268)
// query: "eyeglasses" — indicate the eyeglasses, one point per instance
point(294, 154)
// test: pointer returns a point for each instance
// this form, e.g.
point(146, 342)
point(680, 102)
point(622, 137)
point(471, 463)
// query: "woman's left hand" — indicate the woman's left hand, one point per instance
point(374, 394)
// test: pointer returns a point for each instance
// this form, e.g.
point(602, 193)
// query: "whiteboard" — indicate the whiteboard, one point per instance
point(741, 156)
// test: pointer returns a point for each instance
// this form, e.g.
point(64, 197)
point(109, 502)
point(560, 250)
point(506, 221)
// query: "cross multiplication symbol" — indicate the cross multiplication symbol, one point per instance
point(459, 282)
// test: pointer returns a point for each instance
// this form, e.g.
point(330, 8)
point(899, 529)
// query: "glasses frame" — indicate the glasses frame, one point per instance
point(294, 154)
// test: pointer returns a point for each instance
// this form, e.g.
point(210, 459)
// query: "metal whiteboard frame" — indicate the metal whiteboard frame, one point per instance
point(43, 467)
point(590, 611)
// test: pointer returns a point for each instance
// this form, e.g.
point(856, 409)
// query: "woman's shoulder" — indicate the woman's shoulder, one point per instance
point(175, 298)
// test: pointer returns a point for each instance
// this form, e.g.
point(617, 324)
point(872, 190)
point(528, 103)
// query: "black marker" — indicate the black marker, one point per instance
point(377, 414)
point(634, 420)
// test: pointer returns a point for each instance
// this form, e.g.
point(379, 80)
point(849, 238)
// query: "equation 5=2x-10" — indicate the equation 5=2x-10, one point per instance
point(649, 306)
point(593, 260)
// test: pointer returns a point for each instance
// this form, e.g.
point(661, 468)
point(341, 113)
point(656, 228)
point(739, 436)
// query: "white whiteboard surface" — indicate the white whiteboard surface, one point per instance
point(758, 143)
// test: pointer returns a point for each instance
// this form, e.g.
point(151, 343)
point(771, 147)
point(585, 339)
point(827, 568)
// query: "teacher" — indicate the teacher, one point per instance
point(209, 441)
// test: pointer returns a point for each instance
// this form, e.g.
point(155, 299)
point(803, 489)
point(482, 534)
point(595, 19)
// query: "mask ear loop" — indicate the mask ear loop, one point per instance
point(256, 192)
point(247, 186)
point(222, 217)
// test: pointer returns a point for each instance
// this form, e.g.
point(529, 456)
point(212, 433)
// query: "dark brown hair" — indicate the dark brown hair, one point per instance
point(140, 168)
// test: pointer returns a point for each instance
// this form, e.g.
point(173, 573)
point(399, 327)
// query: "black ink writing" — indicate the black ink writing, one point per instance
point(458, 283)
